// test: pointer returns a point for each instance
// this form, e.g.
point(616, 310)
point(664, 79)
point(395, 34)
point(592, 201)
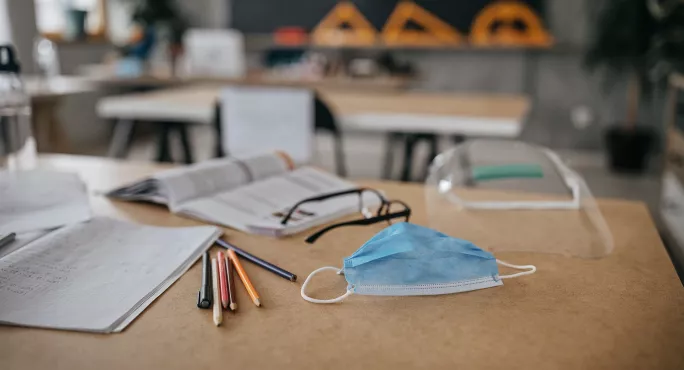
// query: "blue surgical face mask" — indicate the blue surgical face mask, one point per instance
point(407, 259)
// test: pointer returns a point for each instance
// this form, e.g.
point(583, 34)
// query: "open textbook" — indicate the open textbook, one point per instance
point(95, 276)
point(249, 194)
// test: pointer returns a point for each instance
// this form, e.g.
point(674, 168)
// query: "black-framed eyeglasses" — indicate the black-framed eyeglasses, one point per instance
point(388, 210)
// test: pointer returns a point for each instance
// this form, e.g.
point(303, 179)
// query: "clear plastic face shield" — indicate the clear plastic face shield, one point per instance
point(511, 196)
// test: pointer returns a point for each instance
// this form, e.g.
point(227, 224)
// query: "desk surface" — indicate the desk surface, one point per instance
point(624, 311)
point(469, 114)
point(55, 87)
point(105, 76)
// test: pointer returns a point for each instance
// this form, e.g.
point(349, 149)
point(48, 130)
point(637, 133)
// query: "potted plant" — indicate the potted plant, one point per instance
point(153, 16)
point(643, 41)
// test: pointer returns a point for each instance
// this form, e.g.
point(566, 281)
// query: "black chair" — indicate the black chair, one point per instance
point(324, 120)
point(409, 141)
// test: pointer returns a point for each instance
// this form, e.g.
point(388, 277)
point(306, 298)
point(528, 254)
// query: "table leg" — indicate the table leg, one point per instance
point(185, 142)
point(163, 145)
point(118, 147)
point(48, 130)
point(409, 145)
point(390, 141)
point(41, 125)
point(434, 151)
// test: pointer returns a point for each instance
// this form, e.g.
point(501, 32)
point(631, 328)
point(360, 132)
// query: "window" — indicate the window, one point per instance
point(52, 17)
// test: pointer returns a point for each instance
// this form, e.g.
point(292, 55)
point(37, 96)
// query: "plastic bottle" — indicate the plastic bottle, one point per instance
point(17, 144)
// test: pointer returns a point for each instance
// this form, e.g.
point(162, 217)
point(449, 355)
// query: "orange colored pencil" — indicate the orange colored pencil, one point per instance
point(245, 279)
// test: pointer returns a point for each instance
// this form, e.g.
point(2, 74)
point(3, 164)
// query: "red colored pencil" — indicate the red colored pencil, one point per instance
point(225, 298)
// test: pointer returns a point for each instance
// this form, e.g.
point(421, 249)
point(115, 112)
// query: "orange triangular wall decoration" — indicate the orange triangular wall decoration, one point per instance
point(505, 13)
point(330, 32)
point(437, 32)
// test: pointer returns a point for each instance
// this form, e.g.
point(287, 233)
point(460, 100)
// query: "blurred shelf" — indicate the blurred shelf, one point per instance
point(261, 42)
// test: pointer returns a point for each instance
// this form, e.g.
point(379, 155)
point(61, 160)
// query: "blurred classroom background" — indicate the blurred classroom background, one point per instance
point(393, 83)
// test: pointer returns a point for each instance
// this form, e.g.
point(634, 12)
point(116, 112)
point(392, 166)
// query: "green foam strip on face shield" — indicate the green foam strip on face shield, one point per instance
point(507, 171)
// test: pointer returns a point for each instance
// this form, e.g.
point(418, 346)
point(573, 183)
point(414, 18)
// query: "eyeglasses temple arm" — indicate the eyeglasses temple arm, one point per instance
point(318, 199)
point(367, 221)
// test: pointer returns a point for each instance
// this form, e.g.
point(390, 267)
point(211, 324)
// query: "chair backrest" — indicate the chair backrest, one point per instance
point(324, 119)
point(262, 119)
point(214, 53)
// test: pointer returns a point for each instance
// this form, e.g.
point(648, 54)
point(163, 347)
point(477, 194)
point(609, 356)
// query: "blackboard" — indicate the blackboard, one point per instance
point(265, 16)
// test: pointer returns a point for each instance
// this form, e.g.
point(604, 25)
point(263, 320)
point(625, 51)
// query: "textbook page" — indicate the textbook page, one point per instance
point(95, 276)
point(175, 186)
point(39, 200)
point(263, 203)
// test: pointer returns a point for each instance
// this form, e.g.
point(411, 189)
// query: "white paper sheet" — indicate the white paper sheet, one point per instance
point(214, 53)
point(95, 276)
point(39, 200)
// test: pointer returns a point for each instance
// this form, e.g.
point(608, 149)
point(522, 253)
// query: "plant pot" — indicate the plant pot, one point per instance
point(76, 26)
point(629, 148)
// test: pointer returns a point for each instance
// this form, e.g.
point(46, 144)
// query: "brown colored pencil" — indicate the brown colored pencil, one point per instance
point(231, 284)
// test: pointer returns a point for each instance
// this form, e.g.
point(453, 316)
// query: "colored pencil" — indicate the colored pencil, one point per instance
point(225, 300)
point(206, 291)
point(245, 279)
point(258, 261)
point(218, 313)
point(230, 276)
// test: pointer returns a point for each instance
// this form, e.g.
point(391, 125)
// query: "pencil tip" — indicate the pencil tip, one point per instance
point(257, 302)
point(233, 306)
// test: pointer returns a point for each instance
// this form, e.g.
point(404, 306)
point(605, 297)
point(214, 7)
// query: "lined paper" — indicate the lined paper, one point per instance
point(94, 276)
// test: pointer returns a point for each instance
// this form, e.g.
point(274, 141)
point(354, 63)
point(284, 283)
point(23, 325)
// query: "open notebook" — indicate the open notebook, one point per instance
point(248, 194)
point(95, 276)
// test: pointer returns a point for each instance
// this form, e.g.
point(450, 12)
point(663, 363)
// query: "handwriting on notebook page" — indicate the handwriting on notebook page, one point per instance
point(95, 275)
point(34, 270)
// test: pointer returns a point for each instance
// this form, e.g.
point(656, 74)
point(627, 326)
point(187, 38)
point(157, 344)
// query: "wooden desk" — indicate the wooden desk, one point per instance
point(447, 113)
point(106, 78)
point(625, 311)
point(46, 96)
point(672, 192)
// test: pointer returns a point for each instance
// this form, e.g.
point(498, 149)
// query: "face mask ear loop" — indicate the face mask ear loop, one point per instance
point(314, 300)
point(530, 269)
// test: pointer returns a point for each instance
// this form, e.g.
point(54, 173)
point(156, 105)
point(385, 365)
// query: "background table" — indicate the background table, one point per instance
point(46, 97)
point(403, 115)
point(105, 76)
point(625, 311)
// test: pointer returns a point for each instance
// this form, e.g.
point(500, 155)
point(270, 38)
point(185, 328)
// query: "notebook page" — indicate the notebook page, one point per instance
point(39, 200)
point(217, 175)
point(91, 275)
point(22, 240)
